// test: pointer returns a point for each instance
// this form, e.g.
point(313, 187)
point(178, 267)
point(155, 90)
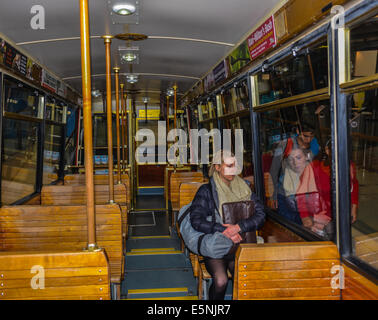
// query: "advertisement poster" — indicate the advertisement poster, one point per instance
point(209, 81)
point(33, 71)
point(262, 39)
point(239, 58)
point(3, 50)
point(220, 72)
point(13, 59)
point(48, 81)
point(61, 89)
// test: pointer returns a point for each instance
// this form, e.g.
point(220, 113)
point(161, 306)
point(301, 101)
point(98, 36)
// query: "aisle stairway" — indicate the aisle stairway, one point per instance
point(155, 268)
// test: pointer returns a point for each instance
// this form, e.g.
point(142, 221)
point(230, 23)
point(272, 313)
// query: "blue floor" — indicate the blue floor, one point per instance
point(155, 268)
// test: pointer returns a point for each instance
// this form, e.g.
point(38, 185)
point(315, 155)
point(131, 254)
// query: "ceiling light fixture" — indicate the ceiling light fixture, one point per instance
point(132, 78)
point(170, 92)
point(96, 93)
point(128, 57)
point(124, 9)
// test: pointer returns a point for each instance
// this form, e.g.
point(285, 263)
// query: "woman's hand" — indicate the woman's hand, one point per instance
point(231, 230)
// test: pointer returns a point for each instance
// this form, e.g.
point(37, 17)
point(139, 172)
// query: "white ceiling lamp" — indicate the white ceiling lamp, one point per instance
point(124, 9)
point(96, 93)
point(132, 78)
point(128, 57)
point(170, 92)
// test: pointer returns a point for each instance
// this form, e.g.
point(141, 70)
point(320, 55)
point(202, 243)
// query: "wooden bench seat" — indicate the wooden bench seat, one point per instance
point(176, 179)
point(79, 179)
point(46, 228)
point(54, 275)
point(76, 195)
point(294, 270)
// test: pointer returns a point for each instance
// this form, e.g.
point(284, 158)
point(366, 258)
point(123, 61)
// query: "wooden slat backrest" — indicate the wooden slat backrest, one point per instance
point(54, 275)
point(187, 192)
point(299, 270)
point(76, 195)
point(79, 179)
point(45, 228)
point(180, 177)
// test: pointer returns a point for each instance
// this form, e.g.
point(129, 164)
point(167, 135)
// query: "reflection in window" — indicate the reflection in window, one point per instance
point(55, 110)
point(22, 99)
point(234, 99)
point(364, 49)
point(51, 157)
point(364, 159)
point(306, 71)
point(19, 162)
point(296, 163)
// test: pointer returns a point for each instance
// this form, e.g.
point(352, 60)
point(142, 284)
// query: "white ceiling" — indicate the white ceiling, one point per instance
point(183, 62)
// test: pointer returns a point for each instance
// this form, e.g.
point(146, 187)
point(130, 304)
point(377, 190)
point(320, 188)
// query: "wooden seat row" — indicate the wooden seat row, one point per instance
point(100, 179)
point(54, 276)
point(295, 270)
point(49, 228)
point(76, 195)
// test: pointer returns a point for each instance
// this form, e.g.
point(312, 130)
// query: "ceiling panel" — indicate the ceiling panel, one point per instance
point(207, 20)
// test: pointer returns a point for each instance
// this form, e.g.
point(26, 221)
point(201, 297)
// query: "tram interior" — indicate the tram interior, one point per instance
point(306, 104)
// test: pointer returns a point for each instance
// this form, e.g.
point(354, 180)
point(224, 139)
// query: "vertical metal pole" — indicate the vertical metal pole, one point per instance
point(108, 41)
point(122, 130)
point(125, 126)
point(167, 114)
point(116, 71)
point(175, 107)
point(87, 122)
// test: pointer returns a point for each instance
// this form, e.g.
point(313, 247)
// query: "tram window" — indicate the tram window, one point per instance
point(304, 72)
point(364, 49)
point(297, 165)
point(100, 132)
point(55, 110)
point(21, 99)
point(364, 173)
point(236, 98)
point(19, 161)
point(51, 157)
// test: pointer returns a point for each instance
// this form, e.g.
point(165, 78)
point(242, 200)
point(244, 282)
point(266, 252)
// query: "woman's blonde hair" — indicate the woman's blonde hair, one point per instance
point(218, 159)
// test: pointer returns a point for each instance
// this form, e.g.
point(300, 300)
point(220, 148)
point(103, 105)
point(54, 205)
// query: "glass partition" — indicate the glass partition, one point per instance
point(22, 99)
point(52, 150)
point(304, 71)
point(233, 99)
point(19, 159)
point(55, 110)
point(296, 159)
point(364, 174)
point(364, 49)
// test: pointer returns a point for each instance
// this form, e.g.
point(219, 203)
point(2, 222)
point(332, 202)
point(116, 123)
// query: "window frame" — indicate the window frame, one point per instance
point(342, 87)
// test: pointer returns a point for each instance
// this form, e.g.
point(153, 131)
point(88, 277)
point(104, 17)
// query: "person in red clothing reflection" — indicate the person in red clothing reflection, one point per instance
point(314, 195)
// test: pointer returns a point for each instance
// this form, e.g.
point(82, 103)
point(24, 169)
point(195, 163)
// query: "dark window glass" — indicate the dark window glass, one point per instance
point(296, 160)
point(22, 99)
point(55, 110)
point(364, 49)
point(304, 72)
point(51, 157)
point(19, 162)
point(364, 174)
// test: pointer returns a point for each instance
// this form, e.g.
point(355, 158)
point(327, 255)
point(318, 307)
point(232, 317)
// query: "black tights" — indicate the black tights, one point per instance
point(218, 271)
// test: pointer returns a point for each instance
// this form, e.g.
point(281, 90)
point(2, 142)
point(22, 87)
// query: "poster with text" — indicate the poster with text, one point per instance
point(262, 39)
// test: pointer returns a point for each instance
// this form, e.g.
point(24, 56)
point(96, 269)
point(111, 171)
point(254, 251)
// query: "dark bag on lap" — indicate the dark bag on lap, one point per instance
point(234, 212)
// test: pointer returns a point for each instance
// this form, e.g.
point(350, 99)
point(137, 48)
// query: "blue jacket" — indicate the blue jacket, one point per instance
point(204, 206)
